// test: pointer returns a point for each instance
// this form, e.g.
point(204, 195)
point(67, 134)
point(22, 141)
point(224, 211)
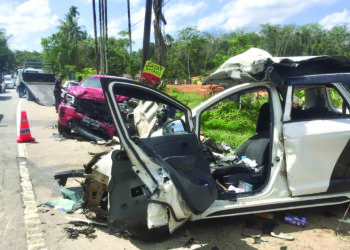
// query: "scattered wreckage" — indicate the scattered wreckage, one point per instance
point(84, 109)
point(162, 175)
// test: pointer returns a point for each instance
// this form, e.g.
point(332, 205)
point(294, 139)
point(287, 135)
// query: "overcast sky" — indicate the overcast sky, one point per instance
point(27, 21)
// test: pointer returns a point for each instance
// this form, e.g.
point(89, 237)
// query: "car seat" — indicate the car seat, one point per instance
point(255, 148)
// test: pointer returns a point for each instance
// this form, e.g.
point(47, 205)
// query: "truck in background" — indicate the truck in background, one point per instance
point(36, 83)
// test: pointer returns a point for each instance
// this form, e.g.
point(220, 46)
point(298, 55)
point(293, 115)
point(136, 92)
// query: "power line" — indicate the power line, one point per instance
point(140, 20)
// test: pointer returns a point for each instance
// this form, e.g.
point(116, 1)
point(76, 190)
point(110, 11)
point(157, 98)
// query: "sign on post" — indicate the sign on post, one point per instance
point(152, 73)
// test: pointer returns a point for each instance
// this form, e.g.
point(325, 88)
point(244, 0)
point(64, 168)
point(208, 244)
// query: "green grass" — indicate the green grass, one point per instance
point(227, 122)
point(190, 99)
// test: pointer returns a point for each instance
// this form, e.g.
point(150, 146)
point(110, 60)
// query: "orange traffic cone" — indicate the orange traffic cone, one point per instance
point(24, 131)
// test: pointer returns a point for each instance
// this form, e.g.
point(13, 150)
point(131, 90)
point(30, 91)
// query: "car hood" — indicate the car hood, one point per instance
point(87, 93)
point(92, 94)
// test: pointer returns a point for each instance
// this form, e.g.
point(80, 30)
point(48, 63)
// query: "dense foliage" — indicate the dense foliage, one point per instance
point(189, 53)
point(6, 55)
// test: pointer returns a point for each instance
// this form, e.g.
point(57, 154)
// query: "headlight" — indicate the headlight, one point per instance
point(70, 99)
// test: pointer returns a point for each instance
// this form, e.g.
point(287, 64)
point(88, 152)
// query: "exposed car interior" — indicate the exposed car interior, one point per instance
point(317, 102)
point(191, 164)
point(255, 148)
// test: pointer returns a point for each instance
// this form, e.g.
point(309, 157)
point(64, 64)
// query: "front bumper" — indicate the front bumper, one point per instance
point(68, 114)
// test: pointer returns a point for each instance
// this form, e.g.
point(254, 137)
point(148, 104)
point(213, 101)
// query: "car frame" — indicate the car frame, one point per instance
point(84, 110)
point(158, 181)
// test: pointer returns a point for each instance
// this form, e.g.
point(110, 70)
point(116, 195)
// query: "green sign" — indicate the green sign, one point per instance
point(154, 69)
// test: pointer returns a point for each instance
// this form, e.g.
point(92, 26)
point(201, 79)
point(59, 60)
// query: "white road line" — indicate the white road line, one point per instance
point(32, 223)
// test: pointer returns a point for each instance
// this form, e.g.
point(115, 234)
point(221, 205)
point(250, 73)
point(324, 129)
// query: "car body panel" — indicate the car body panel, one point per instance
point(277, 194)
point(158, 179)
point(87, 93)
point(150, 158)
point(313, 147)
point(88, 114)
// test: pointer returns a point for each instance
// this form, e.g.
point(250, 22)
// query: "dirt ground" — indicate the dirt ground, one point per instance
point(203, 90)
point(49, 155)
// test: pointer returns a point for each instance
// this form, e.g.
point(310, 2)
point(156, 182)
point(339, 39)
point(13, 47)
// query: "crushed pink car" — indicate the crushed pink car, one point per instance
point(84, 110)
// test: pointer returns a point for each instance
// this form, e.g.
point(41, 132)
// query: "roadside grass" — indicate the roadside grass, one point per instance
point(190, 99)
point(227, 122)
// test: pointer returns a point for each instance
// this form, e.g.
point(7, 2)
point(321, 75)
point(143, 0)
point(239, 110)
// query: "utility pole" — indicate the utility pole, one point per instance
point(146, 32)
point(95, 32)
point(129, 24)
point(160, 48)
point(103, 36)
point(106, 38)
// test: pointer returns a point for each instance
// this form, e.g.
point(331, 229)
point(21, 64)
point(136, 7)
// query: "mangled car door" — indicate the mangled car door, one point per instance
point(317, 135)
point(166, 177)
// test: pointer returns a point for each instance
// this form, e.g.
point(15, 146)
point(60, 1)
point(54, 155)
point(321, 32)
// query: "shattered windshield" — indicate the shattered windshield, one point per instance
point(92, 83)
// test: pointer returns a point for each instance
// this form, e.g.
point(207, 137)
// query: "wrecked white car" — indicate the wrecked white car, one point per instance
point(162, 175)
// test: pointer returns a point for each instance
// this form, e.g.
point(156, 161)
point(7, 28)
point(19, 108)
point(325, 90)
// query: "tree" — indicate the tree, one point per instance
point(242, 42)
point(189, 44)
point(7, 61)
point(24, 56)
point(62, 48)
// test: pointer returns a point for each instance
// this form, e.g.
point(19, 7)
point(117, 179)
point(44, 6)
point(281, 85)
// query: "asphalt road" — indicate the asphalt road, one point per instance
point(12, 233)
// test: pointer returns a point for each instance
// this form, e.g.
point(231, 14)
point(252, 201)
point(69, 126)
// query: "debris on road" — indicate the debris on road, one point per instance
point(72, 200)
point(85, 222)
point(58, 137)
point(294, 220)
point(63, 205)
point(73, 193)
point(189, 242)
point(282, 236)
point(73, 232)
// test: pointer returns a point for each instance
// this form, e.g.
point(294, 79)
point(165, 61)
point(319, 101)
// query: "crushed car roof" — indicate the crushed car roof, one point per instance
point(258, 65)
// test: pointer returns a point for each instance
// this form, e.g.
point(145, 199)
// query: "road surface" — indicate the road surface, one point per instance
point(12, 232)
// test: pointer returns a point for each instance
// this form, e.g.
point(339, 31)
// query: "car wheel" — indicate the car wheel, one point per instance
point(155, 234)
point(63, 129)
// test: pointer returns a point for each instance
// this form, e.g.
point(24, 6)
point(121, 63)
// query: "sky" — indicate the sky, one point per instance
point(27, 21)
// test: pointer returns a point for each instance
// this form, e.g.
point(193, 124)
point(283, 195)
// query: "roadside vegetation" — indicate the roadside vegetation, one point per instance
point(190, 99)
point(188, 53)
point(231, 122)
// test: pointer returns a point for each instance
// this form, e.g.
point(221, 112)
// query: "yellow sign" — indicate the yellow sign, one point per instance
point(154, 69)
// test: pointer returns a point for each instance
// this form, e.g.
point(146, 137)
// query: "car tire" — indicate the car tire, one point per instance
point(63, 129)
point(155, 234)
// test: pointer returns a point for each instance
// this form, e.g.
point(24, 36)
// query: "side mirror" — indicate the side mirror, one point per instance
point(176, 126)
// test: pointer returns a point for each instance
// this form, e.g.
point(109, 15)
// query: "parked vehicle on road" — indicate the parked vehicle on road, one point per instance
point(164, 174)
point(35, 83)
point(9, 82)
point(84, 109)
